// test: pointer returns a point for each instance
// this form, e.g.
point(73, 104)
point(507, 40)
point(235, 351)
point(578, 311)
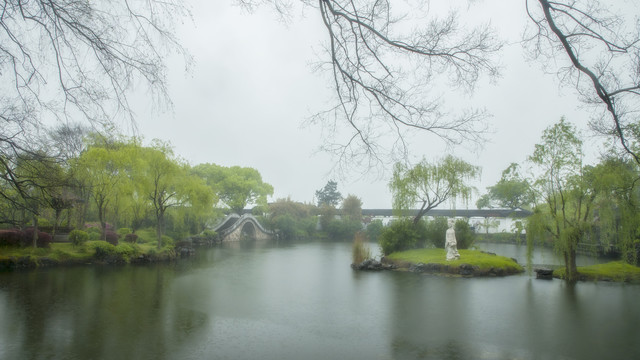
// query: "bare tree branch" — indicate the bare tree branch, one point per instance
point(386, 79)
point(382, 79)
point(603, 49)
point(78, 60)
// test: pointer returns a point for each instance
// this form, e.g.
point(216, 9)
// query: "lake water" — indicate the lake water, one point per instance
point(303, 301)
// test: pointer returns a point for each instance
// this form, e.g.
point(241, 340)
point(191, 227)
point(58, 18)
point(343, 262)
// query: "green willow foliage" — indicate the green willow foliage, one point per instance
point(428, 185)
point(596, 206)
point(567, 201)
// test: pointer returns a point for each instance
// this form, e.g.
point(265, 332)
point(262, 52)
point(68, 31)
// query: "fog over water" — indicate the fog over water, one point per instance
point(303, 301)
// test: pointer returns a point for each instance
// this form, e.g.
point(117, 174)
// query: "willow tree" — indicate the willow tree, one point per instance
point(431, 184)
point(102, 169)
point(166, 182)
point(617, 221)
point(565, 212)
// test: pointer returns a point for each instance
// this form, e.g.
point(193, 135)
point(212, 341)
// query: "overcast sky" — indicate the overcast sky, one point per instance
point(252, 86)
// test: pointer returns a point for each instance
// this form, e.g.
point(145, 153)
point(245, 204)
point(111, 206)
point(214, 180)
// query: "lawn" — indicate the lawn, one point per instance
point(611, 271)
point(486, 263)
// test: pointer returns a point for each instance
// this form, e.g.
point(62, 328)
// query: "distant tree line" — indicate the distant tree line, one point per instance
point(332, 217)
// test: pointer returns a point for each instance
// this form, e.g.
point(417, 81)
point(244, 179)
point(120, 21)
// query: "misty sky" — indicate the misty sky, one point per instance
point(252, 87)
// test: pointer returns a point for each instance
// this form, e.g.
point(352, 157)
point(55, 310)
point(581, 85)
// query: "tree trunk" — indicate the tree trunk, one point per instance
point(55, 222)
point(35, 231)
point(160, 228)
point(571, 269)
point(102, 214)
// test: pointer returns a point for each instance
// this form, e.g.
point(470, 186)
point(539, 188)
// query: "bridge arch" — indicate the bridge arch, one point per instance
point(248, 231)
point(235, 228)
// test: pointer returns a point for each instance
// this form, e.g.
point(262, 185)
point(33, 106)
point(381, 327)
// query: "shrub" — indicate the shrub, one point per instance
point(94, 233)
point(126, 251)
point(631, 253)
point(44, 222)
point(111, 237)
point(43, 241)
point(436, 231)
point(11, 237)
point(401, 235)
point(78, 237)
point(360, 252)
point(464, 234)
point(374, 230)
point(167, 241)
point(103, 250)
point(343, 229)
point(123, 232)
point(286, 226)
point(209, 234)
point(131, 238)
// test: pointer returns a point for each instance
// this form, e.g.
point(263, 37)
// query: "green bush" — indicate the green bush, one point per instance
point(102, 250)
point(209, 234)
point(402, 235)
point(374, 230)
point(94, 233)
point(343, 229)
point(122, 232)
point(167, 241)
point(126, 251)
point(436, 231)
point(78, 237)
point(464, 234)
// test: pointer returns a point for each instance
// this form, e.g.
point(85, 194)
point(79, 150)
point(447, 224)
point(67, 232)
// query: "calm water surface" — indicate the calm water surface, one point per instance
point(302, 301)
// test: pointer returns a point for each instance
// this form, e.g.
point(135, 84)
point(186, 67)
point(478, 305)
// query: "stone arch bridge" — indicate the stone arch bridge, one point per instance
point(246, 227)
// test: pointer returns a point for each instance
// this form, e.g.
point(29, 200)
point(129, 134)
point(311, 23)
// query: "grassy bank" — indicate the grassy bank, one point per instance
point(100, 252)
point(471, 262)
point(612, 271)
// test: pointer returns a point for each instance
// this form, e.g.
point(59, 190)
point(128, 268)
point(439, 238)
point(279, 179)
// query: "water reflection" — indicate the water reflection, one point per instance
point(295, 301)
point(93, 313)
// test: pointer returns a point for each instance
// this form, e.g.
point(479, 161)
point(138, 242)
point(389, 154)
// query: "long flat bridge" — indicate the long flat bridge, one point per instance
point(246, 227)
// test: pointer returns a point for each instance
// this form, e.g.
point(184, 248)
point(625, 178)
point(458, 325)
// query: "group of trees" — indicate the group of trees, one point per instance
point(574, 203)
point(119, 182)
point(578, 203)
point(428, 185)
point(405, 234)
point(78, 60)
point(333, 216)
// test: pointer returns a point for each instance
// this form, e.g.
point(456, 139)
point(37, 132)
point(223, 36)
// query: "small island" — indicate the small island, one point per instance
point(472, 263)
